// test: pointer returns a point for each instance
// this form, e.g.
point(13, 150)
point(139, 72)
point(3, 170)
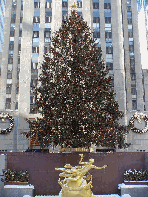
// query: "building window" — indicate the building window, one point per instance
point(10, 60)
point(107, 19)
point(45, 49)
point(109, 50)
point(48, 19)
point(17, 90)
point(16, 105)
point(33, 83)
point(129, 14)
point(129, 20)
point(64, 17)
point(133, 91)
point(21, 19)
point(48, 5)
point(132, 69)
point(134, 105)
point(12, 33)
point(10, 67)
point(9, 75)
point(12, 20)
point(96, 19)
point(36, 19)
point(36, 34)
point(108, 34)
point(8, 103)
point(35, 49)
point(96, 5)
point(11, 47)
point(20, 33)
point(130, 34)
point(18, 75)
point(109, 66)
point(96, 34)
point(132, 62)
point(107, 6)
point(131, 48)
point(79, 4)
point(32, 99)
point(133, 76)
point(34, 65)
point(8, 89)
point(36, 4)
point(129, 8)
point(64, 4)
point(18, 60)
point(19, 47)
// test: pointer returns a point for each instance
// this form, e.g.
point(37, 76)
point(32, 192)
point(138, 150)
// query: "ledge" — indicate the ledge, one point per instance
point(19, 186)
point(122, 185)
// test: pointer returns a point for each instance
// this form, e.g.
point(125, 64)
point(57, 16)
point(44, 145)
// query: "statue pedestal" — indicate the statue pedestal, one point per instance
point(60, 194)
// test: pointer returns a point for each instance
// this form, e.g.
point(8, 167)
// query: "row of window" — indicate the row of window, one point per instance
point(9, 75)
point(36, 19)
point(9, 88)
point(37, 5)
point(10, 61)
point(65, 4)
point(79, 5)
point(49, 4)
point(12, 33)
point(36, 49)
point(97, 19)
point(108, 34)
point(47, 34)
point(8, 104)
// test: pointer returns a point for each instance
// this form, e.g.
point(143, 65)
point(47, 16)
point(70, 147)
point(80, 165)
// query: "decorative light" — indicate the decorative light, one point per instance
point(139, 117)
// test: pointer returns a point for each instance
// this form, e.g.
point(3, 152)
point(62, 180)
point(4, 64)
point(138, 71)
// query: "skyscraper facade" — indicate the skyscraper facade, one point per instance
point(2, 16)
point(29, 26)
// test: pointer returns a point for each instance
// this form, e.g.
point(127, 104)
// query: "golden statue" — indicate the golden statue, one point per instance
point(75, 182)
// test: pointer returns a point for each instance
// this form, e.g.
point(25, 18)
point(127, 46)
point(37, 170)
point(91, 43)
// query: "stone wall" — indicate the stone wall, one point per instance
point(41, 167)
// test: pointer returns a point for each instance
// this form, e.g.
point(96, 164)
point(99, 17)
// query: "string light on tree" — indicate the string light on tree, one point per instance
point(75, 96)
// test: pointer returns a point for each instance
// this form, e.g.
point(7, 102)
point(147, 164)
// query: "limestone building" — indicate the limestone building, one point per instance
point(2, 16)
point(29, 25)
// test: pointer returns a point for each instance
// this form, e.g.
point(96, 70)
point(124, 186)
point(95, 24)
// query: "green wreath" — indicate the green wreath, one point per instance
point(139, 117)
point(11, 126)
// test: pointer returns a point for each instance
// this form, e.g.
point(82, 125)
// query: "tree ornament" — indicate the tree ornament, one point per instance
point(75, 95)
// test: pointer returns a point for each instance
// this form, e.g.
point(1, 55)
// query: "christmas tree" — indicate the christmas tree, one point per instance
point(74, 94)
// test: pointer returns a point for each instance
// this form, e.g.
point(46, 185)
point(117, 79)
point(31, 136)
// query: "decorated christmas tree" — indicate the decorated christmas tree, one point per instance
point(74, 94)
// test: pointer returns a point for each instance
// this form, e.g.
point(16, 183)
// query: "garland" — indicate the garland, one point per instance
point(11, 126)
point(139, 117)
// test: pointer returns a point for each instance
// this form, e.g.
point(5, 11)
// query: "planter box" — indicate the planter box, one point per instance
point(15, 183)
point(136, 182)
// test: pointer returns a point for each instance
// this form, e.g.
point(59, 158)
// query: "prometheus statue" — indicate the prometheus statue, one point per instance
point(75, 179)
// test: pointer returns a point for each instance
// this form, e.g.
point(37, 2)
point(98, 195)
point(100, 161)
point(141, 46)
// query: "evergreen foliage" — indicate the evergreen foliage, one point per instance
point(75, 95)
